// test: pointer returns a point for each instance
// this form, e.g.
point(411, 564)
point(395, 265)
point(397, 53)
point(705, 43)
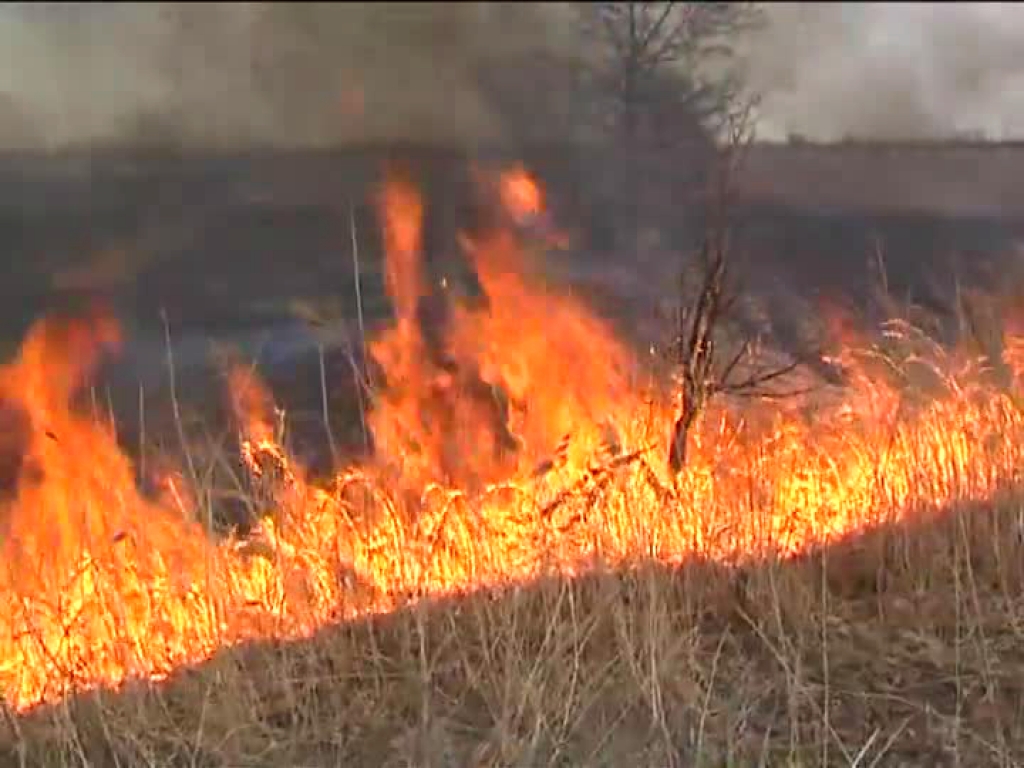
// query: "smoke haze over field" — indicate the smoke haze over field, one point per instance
point(891, 70)
point(79, 73)
point(278, 73)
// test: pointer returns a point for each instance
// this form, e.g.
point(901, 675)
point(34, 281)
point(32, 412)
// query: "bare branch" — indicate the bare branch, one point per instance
point(757, 380)
point(647, 39)
point(696, 345)
point(655, 29)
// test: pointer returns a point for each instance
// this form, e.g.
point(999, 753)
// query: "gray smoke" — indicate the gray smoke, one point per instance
point(77, 73)
point(255, 72)
point(891, 70)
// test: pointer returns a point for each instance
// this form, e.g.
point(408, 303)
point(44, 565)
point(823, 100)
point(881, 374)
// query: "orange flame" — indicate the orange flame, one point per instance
point(527, 445)
point(403, 214)
point(508, 386)
point(520, 194)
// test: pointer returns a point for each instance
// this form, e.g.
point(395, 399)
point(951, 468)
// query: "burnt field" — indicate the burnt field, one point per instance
point(217, 240)
point(256, 249)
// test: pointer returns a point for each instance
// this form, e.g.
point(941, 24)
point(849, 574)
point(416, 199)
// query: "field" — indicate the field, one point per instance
point(495, 567)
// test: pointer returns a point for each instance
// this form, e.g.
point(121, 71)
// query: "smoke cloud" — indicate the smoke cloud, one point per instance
point(281, 73)
point(309, 73)
point(890, 70)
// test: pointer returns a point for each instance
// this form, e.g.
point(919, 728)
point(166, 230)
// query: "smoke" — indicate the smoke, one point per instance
point(890, 70)
point(315, 73)
point(268, 73)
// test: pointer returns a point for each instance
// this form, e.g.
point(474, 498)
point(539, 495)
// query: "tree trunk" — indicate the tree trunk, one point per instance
point(680, 439)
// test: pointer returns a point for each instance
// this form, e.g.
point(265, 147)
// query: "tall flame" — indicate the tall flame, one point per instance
point(511, 441)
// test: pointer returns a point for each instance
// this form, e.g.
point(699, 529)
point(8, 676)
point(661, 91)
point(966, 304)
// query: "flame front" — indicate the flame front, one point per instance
point(510, 440)
point(500, 386)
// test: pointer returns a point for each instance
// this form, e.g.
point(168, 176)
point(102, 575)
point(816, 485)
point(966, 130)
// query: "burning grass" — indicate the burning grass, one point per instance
point(514, 578)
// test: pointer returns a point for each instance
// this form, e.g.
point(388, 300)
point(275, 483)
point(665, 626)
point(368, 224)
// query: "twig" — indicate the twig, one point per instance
point(696, 343)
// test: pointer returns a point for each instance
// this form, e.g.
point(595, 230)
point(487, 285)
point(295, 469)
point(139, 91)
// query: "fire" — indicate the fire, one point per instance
point(520, 194)
point(495, 390)
point(522, 200)
point(511, 438)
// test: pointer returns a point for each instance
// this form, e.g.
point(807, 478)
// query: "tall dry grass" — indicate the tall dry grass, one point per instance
point(836, 583)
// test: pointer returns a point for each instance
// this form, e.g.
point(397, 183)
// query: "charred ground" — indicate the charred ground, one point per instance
point(216, 238)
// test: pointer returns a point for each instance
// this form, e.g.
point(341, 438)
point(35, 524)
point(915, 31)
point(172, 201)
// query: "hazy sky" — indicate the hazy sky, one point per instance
point(73, 72)
point(892, 69)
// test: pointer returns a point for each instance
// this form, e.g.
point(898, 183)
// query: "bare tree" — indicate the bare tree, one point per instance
point(701, 371)
point(652, 51)
point(661, 80)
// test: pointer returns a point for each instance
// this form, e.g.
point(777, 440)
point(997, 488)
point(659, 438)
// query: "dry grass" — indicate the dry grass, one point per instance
point(897, 644)
point(901, 646)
